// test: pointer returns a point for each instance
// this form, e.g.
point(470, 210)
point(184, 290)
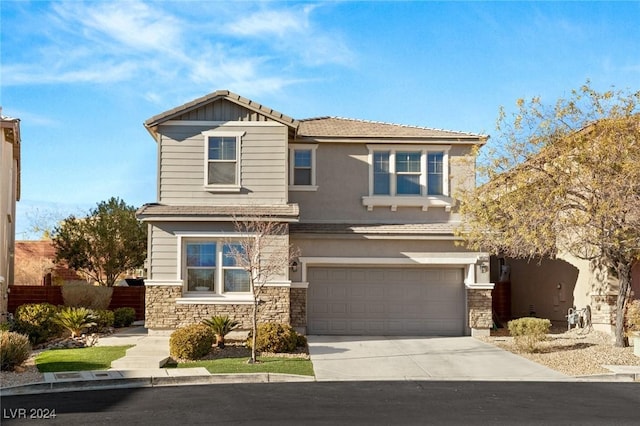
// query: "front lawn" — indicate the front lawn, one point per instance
point(82, 359)
point(282, 365)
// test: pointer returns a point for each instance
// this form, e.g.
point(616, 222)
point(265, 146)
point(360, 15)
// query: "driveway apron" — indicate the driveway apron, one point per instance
point(337, 358)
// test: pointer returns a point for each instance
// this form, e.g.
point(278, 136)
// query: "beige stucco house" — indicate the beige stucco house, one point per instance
point(9, 195)
point(370, 206)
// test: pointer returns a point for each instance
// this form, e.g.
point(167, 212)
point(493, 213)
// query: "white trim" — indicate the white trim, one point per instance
point(283, 283)
point(394, 202)
point(168, 283)
point(480, 286)
point(466, 260)
point(292, 149)
point(222, 123)
point(299, 284)
point(217, 300)
point(235, 187)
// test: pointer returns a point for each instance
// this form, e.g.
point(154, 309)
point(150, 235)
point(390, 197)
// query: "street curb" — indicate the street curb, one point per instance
point(147, 382)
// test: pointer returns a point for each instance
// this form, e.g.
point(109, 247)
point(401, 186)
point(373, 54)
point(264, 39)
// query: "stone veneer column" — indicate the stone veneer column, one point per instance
point(160, 306)
point(299, 309)
point(479, 311)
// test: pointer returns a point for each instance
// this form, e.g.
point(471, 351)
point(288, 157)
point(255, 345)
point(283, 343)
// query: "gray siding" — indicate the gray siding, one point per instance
point(263, 166)
point(342, 177)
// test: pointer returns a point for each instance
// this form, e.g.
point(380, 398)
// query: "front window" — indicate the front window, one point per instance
point(381, 173)
point(435, 173)
point(222, 160)
point(302, 167)
point(408, 172)
point(212, 267)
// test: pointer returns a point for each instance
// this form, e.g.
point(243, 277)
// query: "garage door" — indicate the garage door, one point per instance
point(385, 301)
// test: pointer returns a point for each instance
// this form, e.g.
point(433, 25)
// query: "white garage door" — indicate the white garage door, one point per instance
point(385, 301)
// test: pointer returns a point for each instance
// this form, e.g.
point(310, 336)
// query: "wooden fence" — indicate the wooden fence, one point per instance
point(130, 297)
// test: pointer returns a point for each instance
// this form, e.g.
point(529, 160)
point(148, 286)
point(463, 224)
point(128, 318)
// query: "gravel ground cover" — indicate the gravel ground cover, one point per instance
point(575, 352)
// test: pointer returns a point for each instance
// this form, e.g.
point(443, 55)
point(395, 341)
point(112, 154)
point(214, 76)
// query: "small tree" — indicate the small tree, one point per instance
point(103, 245)
point(264, 253)
point(564, 179)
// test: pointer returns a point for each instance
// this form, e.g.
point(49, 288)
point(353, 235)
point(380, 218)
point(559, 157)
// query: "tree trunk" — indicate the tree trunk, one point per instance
point(623, 271)
point(254, 331)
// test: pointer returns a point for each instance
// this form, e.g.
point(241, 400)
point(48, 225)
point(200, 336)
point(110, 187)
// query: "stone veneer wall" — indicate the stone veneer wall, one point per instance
point(298, 307)
point(479, 304)
point(162, 312)
point(603, 312)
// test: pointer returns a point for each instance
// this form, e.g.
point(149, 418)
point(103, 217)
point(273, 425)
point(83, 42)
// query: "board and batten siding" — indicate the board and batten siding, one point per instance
point(263, 165)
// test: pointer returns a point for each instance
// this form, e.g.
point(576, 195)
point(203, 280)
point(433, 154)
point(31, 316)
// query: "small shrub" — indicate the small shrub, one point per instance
point(104, 320)
point(124, 317)
point(36, 321)
point(221, 326)
point(191, 342)
point(5, 326)
point(83, 295)
point(75, 319)
point(275, 337)
point(301, 341)
point(632, 317)
point(529, 332)
point(15, 348)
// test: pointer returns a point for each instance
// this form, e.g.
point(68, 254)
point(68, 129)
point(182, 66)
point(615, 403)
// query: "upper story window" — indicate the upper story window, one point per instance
point(222, 160)
point(302, 167)
point(211, 268)
point(408, 175)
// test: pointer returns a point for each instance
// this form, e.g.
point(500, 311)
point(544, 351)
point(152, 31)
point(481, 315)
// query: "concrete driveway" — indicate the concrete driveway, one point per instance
point(337, 358)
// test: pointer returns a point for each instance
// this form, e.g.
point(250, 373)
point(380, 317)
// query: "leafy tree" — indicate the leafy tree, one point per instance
point(263, 255)
point(103, 245)
point(564, 179)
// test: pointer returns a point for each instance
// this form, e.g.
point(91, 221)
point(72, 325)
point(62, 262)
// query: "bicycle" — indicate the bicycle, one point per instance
point(581, 318)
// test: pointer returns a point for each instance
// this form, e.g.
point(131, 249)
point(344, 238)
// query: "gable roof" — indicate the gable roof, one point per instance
point(338, 127)
point(328, 129)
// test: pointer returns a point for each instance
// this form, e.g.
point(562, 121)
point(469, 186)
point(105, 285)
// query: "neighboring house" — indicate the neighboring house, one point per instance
point(9, 195)
point(370, 206)
point(35, 265)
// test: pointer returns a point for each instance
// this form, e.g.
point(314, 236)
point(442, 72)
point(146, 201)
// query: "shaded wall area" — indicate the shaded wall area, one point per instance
point(541, 288)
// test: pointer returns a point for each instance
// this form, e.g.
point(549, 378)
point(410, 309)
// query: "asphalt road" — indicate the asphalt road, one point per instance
point(337, 403)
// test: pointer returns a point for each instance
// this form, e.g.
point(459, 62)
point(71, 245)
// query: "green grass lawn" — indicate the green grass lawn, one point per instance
point(93, 358)
point(298, 366)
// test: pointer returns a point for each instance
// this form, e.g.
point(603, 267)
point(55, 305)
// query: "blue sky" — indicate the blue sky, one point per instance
point(84, 76)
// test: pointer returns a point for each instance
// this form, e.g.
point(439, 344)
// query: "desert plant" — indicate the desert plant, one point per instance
point(104, 320)
point(124, 317)
point(191, 342)
point(221, 326)
point(275, 337)
point(528, 332)
point(75, 319)
point(36, 321)
point(83, 295)
point(15, 348)
point(632, 317)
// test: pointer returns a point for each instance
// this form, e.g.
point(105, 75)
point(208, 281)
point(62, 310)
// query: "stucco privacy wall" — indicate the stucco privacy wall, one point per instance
point(165, 312)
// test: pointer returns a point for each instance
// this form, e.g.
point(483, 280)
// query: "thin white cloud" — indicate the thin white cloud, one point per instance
point(107, 72)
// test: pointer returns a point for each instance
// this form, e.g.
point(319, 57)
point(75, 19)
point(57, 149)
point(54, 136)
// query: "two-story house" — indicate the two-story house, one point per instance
point(9, 194)
point(370, 206)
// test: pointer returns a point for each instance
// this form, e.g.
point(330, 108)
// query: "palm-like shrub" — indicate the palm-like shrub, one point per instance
point(221, 326)
point(75, 319)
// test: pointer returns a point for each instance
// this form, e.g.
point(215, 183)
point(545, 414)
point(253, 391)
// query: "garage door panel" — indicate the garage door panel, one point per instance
point(387, 301)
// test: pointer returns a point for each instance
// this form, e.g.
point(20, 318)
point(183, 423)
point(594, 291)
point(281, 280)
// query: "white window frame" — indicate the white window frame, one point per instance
point(219, 240)
point(302, 147)
point(423, 200)
point(236, 186)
